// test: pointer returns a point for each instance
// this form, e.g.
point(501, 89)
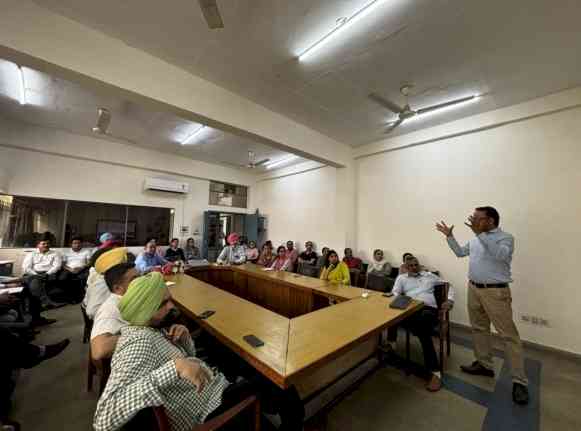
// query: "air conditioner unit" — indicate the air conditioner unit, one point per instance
point(161, 185)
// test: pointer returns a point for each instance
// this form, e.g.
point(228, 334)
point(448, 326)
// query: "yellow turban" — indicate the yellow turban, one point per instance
point(110, 259)
point(142, 299)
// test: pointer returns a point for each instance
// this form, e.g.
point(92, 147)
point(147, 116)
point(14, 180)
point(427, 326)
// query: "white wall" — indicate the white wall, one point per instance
point(49, 163)
point(530, 170)
point(308, 202)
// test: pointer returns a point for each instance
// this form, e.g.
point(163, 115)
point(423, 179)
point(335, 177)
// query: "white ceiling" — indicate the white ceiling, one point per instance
point(511, 51)
point(57, 103)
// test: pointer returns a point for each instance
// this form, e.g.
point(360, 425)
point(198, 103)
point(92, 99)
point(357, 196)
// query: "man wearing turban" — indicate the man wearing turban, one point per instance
point(154, 366)
point(233, 253)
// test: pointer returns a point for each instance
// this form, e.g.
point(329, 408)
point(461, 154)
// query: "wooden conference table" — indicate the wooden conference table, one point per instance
point(308, 343)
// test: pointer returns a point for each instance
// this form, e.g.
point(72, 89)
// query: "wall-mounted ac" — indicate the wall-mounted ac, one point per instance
point(161, 185)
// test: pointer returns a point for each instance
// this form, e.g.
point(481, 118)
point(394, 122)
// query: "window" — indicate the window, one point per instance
point(24, 220)
point(228, 195)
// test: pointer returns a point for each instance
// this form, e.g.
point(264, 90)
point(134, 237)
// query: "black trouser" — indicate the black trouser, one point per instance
point(422, 324)
point(39, 285)
point(15, 354)
point(73, 284)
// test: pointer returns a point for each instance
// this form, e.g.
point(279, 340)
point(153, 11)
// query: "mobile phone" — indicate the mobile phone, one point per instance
point(388, 294)
point(253, 340)
point(206, 314)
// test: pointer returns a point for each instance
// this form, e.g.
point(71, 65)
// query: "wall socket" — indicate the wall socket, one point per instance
point(534, 320)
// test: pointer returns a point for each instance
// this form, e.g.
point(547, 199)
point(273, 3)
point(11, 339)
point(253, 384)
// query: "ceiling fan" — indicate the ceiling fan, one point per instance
point(252, 163)
point(405, 113)
point(211, 14)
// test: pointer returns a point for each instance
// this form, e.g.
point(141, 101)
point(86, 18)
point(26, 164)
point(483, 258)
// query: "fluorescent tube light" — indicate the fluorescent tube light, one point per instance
point(352, 19)
point(22, 94)
point(280, 162)
point(189, 139)
point(474, 98)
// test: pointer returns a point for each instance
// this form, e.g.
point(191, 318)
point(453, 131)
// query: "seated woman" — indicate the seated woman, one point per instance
point(266, 256)
point(351, 261)
point(251, 252)
point(191, 252)
point(334, 270)
point(232, 254)
point(403, 269)
point(379, 265)
point(281, 262)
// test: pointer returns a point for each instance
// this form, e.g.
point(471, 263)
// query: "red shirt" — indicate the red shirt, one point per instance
point(353, 262)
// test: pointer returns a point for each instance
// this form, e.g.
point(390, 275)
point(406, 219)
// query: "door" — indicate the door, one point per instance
point(251, 227)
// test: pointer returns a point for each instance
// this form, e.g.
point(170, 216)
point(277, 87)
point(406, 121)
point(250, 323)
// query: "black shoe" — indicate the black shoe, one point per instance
point(477, 369)
point(9, 425)
point(520, 394)
point(42, 321)
point(51, 305)
point(54, 349)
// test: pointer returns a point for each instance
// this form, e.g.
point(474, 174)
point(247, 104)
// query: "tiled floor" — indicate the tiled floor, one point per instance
point(52, 396)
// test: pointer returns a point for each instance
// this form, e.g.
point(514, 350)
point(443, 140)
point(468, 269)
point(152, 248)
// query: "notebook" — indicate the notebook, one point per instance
point(400, 302)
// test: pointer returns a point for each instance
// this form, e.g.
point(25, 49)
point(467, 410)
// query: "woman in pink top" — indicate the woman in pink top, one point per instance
point(251, 252)
point(282, 262)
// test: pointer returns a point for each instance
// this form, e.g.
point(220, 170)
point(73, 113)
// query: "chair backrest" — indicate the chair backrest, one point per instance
point(394, 272)
point(354, 275)
point(441, 293)
point(379, 282)
point(308, 270)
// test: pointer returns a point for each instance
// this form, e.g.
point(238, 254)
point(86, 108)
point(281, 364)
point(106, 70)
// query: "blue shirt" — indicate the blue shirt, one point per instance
point(145, 262)
point(490, 256)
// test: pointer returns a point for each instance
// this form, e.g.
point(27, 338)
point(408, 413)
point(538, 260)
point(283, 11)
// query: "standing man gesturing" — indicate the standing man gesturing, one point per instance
point(489, 298)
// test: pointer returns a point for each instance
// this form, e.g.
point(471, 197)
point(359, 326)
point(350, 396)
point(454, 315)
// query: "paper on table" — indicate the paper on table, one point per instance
point(170, 283)
point(11, 290)
point(268, 269)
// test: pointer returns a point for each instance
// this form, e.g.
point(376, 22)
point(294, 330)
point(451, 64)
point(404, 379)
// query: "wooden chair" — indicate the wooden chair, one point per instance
point(88, 326)
point(442, 330)
point(101, 369)
point(217, 422)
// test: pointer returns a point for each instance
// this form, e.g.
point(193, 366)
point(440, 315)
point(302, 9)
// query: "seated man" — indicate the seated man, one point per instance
point(174, 253)
point(419, 285)
point(154, 366)
point(108, 322)
point(97, 290)
point(292, 255)
point(234, 253)
point(351, 261)
point(148, 260)
point(75, 270)
point(309, 256)
point(39, 269)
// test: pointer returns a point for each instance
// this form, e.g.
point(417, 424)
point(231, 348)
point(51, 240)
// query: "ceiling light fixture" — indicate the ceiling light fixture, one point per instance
point(343, 24)
point(280, 162)
point(467, 100)
point(189, 139)
point(22, 95)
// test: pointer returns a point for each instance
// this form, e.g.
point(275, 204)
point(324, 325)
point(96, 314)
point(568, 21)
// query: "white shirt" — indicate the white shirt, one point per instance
point(77, 259)
point(35, 262)
point(108, 319)
point(96, 294)
point(232, 254)
point(420, 287)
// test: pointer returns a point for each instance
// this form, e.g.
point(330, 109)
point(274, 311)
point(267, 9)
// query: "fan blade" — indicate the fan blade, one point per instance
point(393, 125)
point(262, 162)
point(444, 105)
point(393, 107)
point(103, 120)
point(211, 14)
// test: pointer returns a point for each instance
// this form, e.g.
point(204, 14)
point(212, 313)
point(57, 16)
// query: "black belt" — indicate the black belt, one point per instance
point(489, 285)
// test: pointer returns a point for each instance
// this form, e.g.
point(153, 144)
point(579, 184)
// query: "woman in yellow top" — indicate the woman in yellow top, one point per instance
point(334, 270)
